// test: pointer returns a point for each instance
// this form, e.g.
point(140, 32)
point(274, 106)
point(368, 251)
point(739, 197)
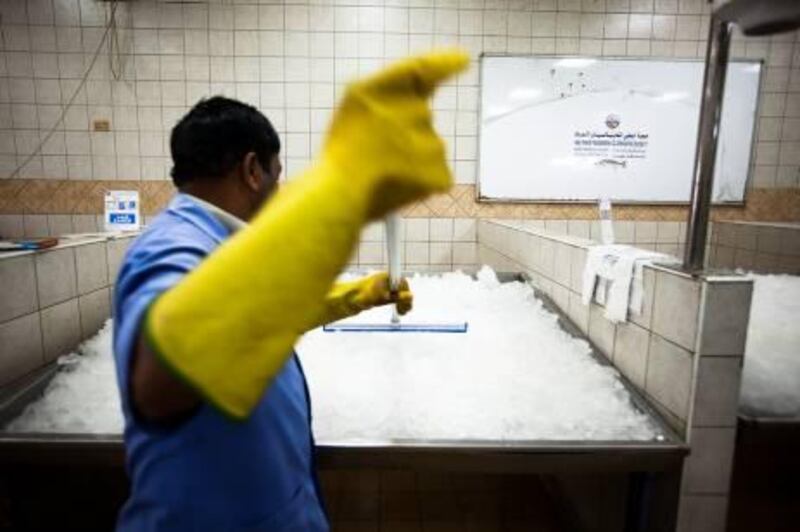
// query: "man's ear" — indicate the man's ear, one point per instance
point(251, 171)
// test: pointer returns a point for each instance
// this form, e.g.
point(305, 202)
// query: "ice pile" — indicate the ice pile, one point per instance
point(82, 397)
point(771, 375)
point(516, 375)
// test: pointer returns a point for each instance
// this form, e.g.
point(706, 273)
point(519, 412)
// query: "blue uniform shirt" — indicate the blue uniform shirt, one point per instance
point(209, 472)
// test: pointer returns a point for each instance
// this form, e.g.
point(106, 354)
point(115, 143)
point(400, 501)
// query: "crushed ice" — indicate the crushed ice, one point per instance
point(771, 375)
point(516, 375)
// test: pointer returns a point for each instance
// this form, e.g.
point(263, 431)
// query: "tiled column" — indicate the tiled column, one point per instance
point(722, 331)
point(684, 352)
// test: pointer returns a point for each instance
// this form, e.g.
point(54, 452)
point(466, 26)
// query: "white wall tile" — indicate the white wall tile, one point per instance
point(669, 375)
point(11, 226)
point(195, 16)
point(441, 253)
point(18, 282)
point(417, 253)
point(646, 232)
point(59, 224)
point(94, 309)
point(601, 331)
point(707, 469)
point(717, 394)
point(577, 265)
point(562, 272)
point(84, 223)
point(417, 229)
point(580, 228)
point(465, 253)
point(170, 15)
point(441, 229)
point(60, 328)
point(170, 41)
point(21, 339)
point(676, 307)
point(578, 312)
point(464, 230)
point(66, 13)
point(56, 277)
point(92, 270)
point(522, 24)
point(245, 17)
point(296, 17)
point(321, 18)
point(630, 352)
point(17, 38)
point(725, 319)
point(668, 232)
point(24, 116)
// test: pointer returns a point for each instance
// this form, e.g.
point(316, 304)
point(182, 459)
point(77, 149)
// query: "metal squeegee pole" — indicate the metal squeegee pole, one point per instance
point(719, 39)
point(394, 244)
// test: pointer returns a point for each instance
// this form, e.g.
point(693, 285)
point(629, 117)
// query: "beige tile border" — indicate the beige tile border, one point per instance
point(47, 196)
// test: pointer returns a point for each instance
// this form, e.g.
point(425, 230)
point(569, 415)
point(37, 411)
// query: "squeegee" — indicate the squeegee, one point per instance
point(393, 245)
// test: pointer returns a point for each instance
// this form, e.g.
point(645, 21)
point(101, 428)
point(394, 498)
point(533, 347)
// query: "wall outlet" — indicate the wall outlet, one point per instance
point(101, 124)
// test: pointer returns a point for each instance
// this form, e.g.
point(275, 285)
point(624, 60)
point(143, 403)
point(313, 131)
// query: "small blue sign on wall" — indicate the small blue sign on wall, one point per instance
point(120, 218)
point(122, 210)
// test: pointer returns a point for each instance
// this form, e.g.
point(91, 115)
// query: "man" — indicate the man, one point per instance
point(217, 417)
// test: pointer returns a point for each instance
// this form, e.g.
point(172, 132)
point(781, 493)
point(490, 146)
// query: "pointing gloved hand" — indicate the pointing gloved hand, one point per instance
point(351, 297)
point(229, 326)
point(382, 137)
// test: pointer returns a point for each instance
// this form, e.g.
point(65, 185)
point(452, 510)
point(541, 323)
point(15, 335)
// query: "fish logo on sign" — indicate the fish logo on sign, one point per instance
point(612, 163)
point(612, 121)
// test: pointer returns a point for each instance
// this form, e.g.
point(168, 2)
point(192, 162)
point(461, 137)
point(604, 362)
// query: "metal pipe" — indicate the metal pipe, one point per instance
point(719, 39)
point(762, 17)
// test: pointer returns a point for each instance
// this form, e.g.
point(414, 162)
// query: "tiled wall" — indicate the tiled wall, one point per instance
point(663, 236)
point(21, 197)
point(291, 58)
point(430, 245)
point(684, 352)
point(761, 247)
point(34, 225)
point(53, 299)
point(442, 243)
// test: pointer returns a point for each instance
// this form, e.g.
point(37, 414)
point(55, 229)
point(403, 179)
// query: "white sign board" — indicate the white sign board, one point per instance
point(580, 129)
point(122, 210)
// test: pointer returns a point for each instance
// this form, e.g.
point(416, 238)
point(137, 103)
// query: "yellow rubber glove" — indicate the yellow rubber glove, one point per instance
point(229, 326)
point(351, 297)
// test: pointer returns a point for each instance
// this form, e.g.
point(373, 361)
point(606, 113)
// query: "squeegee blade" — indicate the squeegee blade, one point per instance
point(401, 327)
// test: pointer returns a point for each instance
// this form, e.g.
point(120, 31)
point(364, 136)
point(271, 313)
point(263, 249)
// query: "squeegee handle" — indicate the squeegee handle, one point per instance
point(393, 248)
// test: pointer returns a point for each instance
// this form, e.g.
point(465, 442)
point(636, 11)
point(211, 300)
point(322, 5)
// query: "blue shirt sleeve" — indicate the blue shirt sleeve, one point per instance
point(156, 262)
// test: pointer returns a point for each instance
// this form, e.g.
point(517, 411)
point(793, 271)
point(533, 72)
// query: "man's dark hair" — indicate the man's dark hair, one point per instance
point(214, 136)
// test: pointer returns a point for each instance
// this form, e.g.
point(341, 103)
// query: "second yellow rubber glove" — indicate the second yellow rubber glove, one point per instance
point(230, 325)
point(348, 298)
